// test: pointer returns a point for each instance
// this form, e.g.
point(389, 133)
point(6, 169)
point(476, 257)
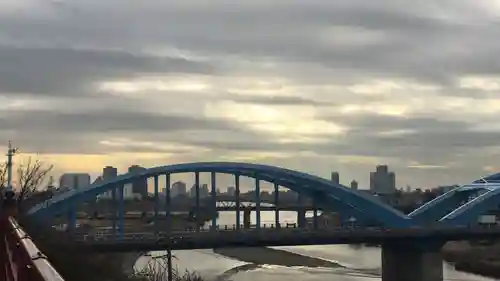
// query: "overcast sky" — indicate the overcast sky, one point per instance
point(314, 85)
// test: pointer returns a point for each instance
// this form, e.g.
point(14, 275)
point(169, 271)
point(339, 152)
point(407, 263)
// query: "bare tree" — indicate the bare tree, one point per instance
point(157, 269)
point(3, 176)
point(30, 176)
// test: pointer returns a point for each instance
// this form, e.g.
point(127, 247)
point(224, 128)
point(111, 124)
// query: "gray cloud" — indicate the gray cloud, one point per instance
point(417, 44)
point(65, 71)
point(278, 100)
point(420, 44)
point(427, 141)
point(106, 121)
point(59, 53)
point(374, 124)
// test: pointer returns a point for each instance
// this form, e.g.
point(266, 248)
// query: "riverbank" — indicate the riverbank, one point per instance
point(264, 255)
point(477, 259)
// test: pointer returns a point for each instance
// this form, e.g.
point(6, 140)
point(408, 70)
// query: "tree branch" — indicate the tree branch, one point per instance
point(30, 177)
point(3, 177)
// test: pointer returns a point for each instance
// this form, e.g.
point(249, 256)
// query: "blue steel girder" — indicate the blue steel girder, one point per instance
point(437, 208)
point(342, 207)
point(330, 192)
point(378, 210)
point(339, 206)
point(470, 211)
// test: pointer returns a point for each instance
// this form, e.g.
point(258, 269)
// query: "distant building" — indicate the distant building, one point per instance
point(139, 185)
point(178, 189)
point(127, 190)
point(108, 173)
point(382, 181)
point(203, 191)
point(231, 191)
point(354, 185)
point(71, 181)
point(335, 177)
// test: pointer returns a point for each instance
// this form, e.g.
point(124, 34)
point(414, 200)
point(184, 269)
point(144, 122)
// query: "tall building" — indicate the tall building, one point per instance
point(178, 189)
point(70, 181)
point(204, 192)
point(335, 177)
point(140, 185)
point(108, 173)
point(231, 191)
point(354, 185)
point(382, 181)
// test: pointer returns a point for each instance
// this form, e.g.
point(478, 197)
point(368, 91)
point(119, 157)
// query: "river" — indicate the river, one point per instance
point(359, 264)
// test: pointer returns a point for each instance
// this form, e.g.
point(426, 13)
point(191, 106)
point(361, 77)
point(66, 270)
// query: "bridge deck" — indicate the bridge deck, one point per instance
point(276, 237)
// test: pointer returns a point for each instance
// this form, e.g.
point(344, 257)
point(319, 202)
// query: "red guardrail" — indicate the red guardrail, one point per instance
point(20, 257)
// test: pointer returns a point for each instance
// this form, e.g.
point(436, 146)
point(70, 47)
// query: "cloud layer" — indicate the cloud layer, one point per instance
point(314, 85)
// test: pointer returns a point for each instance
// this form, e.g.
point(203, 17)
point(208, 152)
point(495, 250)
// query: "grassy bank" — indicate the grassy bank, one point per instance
point(481, 260)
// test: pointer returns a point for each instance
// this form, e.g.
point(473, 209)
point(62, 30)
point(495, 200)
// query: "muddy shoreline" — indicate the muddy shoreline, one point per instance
point(475, 259)
point(264, 255)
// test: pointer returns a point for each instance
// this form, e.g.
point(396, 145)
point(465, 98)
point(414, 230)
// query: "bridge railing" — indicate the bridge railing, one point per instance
point(21, 258)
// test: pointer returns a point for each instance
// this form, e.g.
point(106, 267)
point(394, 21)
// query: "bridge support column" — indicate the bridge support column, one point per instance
point(301, 218)
point(71, 220)
point(247, 221)
point(121, 212)
point(408, 263)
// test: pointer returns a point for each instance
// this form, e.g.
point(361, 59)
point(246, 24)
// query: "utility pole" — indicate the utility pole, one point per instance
point(8, 202)
point(10, 154)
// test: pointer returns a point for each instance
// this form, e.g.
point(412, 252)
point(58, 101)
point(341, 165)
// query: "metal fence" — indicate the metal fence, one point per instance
point(20, 258)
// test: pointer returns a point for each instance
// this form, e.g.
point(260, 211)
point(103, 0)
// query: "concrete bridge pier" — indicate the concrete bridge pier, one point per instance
point(411, 263)
point(247, 221)
point(301, 218)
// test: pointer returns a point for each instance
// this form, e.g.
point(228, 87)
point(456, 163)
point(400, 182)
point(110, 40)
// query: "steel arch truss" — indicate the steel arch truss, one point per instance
point(459, 205)
point(468, 212)
point(331, 196)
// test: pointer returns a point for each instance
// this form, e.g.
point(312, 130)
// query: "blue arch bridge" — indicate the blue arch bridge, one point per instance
point(410, 243)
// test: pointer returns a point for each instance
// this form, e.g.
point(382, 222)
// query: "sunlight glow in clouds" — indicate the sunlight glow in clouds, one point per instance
point(388, 87)
point(377, 108)
point(261, 86)
point(315, 85)
point(163, 147)
point(282, 121)
point(480, 83)
point(22, 104)
point(167, 84)
point(253, 156)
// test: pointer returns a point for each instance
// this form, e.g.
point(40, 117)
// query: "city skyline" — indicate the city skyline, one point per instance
point(316, 86)
point(382, 181)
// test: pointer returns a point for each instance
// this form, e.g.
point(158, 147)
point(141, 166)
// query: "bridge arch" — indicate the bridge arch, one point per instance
point(442, 205)
point(325, 192)
point(456, 200)
point(470, 211)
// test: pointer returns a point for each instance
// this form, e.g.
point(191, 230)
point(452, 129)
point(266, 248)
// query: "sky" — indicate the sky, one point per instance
point(317, 85)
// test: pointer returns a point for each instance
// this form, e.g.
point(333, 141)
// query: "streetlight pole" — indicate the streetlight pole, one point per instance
point(10, 154)
point(8, 199)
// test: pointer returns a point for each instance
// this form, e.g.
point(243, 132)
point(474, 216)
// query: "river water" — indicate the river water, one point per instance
point(359, 264)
